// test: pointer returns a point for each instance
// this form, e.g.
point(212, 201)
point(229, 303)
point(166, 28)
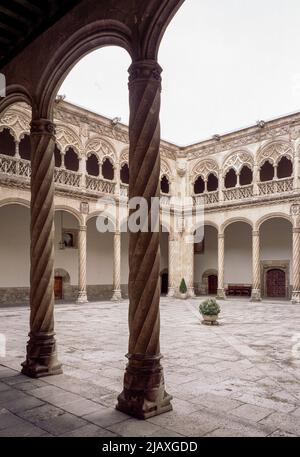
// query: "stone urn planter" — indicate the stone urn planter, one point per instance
point(210, 311)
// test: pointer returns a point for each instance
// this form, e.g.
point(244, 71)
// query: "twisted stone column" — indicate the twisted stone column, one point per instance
point(190, 267)
point(144, 393)
point(82, 295)
point(296, 265)
point(117, 296)
point(255, 294)
point(41, 357)
point(221, 258)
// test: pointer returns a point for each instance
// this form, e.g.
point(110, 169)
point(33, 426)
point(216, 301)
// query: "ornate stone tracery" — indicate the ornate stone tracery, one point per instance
point(204, 169)
point(237, 160)
point(274, 151)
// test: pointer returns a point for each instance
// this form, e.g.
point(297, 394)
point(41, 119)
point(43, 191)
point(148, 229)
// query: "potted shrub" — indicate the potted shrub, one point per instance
point(183, 289)
point(210, 311)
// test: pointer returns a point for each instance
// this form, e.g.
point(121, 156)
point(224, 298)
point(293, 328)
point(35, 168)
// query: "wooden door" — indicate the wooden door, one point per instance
point(164, 283)
point(212, 284)
point(276, 283)
point(58, 282)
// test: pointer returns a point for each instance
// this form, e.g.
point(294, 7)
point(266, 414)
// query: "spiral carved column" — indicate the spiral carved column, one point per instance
point(255, 294)
point(296, 265)
point(189, 248)
point(82, 295)
point(221, 254)
point(117, 267)
point(41, 357)
point(144, 393)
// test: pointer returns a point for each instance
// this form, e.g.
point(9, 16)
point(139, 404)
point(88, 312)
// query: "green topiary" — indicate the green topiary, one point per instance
point(182, 287)
point(209, 307)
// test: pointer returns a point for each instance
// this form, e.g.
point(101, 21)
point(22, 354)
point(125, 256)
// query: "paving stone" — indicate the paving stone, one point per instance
point(58, 425)
point(106, 417)
point(41, 413)
point(22, 404)
point(132, 427)
point(90, 431)
point(246, 386)
point(251, 412)
point(82, 407)
point(23, 430)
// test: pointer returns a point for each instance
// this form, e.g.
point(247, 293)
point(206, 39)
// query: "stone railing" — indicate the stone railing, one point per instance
point(211, 197)
point(100, 185)
point(67, 177)
point(207, 198)
point(14, 166)
point(238, 193)
point(275, 186)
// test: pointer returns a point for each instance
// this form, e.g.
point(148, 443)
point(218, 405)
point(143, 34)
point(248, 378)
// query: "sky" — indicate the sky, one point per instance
point(226, 65)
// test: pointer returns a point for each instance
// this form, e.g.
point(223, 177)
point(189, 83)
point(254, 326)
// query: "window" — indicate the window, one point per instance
point(199, 186)
point(124, 174)
point(266, 171)
point(164, 185)
point(212, 183)
point(71, 160)
point(92, 165)
point(230, 179)
point(246, 176)
point(108, 170)
point(285, 168)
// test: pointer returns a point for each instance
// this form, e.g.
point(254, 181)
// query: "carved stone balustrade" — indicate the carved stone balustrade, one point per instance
point(275, 186)
point(238, 193)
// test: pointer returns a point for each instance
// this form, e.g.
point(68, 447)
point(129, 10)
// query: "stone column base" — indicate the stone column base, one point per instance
point(191, 292)
point(82, 297)
point(221, 294)
point(296, 297)
point(144, 392)
point(117, 296)
point(255, 295)
point(171, 292)
point(41, 359)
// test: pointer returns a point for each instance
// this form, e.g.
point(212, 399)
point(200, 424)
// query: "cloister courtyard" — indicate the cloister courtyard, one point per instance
point(240, 378)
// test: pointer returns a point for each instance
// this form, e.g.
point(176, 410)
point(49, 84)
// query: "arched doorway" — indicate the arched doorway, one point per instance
point(212, 284)
point(276, 283)
point(276, 253)
point(206, 261)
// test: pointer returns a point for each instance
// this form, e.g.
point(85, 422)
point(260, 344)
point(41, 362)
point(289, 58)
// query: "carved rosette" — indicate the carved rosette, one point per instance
point(255, 294)
point(41, 357)
point(144, 394)
point(82, 295)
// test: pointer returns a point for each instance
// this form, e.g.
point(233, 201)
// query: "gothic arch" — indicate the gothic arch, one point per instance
point(103, 149)
point(204, 168)
point(124, 157)
point(237, 160)
point(66, 138)
point(273, 151)
point(165, 170)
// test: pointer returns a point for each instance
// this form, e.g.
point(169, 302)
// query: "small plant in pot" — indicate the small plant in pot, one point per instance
point(210, 311)
point(183, 289)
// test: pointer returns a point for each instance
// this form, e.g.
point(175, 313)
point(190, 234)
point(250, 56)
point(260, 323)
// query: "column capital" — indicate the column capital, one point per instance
point(255, 232)
point(42, 127)
point(296, 229)
point(221, 235)
point(145, 70)
point(82, 228)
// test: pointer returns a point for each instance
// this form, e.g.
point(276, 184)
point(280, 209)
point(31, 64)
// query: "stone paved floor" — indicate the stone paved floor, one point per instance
point(239, 379)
